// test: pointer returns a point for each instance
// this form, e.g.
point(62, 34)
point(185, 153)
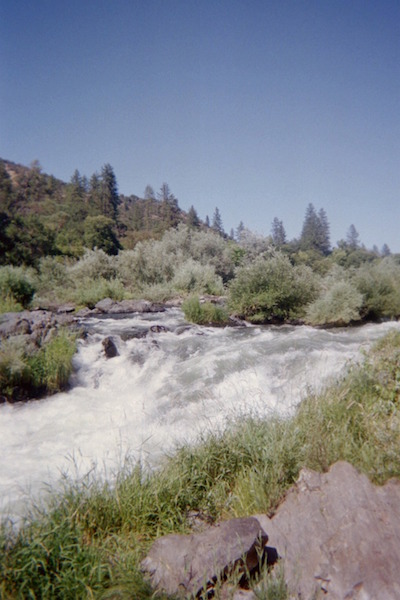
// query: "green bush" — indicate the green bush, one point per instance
point(272, 288)
point(338, 305)
point(204, 314)
point(16, 285)
point(379, 284)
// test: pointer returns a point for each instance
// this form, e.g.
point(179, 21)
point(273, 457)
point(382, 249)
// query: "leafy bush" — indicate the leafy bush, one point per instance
point(93, 265)
point(272, 288)
point(379, 284)
point(204, 314)
point(89, 291)
point(16, 284)
point(339, 304)
point(192, 277)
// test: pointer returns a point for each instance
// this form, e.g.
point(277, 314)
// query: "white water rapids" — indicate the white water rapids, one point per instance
point(162, 390)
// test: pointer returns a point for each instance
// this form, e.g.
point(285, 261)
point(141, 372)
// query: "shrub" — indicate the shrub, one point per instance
point(192, 277)
point(272, 288)
point(16, 285)
point(89, 292)
point(379, 284)
point(338, 305)
point(204, 314)
point(93, 265)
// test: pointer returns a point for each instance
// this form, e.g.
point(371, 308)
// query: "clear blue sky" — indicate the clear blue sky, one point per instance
point(255, 106)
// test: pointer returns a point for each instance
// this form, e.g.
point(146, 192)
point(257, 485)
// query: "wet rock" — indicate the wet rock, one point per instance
point(339, 536)
point(158, 329)
point(110, 348)
point(186, 564)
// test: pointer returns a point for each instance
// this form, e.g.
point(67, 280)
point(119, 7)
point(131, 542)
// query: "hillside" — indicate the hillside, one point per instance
point(41, 215)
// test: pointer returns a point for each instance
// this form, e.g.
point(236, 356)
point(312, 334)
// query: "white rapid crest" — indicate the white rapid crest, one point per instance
point(163, 389)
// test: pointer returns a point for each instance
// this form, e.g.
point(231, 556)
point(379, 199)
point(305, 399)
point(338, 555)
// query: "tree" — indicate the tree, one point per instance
point(99, 234)
point(315, 232)
point(217, 222)
point(6, 190)
point(278, 233)
point(207, 221)
point(239, 231)
point(193, 218)
point(109, 193)
point(169, 206)
point(385, 250)
point(149, 193)
point(352, 238)
point(324, 244)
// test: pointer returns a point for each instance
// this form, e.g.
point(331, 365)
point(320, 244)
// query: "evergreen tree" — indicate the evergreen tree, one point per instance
point(99, 234)
point(324, 244)
point(149, 193)
point(109, 193)
point(315, 232)
point(207, 221)
point(239, 231)
point(385, 250)
point(6, 190)
point(278, 233)
point(352, 238)
point(217, 222)
point(169, 206)
point(193, 218)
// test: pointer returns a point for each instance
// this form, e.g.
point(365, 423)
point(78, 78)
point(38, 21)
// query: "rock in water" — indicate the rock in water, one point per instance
point(110, 349)
point(339, 536)
point(185, 564)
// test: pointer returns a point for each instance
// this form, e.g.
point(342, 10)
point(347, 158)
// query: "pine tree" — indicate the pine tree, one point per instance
point(278, 233)
point(315, 232)
point(385, 250)
point(217, 222)
point(193, 218)
point(109, 193)
point(353, 238)
point(239, 231)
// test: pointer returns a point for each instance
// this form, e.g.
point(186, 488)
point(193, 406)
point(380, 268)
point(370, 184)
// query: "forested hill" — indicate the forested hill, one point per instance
point(41, 215)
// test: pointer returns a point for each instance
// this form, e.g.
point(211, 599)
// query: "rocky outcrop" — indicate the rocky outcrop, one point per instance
point(187, 564)
point(112, 307)
point(36, 324)
point(339, 535)
point(336, 533)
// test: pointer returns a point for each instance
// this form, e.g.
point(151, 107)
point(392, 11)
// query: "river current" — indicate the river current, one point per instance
point(164, 389)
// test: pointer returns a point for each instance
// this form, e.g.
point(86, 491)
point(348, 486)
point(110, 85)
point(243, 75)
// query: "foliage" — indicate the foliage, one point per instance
point(339, 304)
point(204, 314)
point(16, 286)
point(98, 233)
point(315, 232)
point(379, 284)
point(28, 371)
point(272, 288)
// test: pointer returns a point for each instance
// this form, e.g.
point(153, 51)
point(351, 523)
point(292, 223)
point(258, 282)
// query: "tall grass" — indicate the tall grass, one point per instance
point(28, 371)
point(88, 541)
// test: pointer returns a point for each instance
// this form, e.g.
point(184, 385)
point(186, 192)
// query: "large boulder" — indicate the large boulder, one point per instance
point(186, 564)
point(339, 536)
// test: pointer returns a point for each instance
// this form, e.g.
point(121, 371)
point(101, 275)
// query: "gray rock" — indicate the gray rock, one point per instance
point(113, 307)
point(110, 348)
point(186, 564)
point(339, 536)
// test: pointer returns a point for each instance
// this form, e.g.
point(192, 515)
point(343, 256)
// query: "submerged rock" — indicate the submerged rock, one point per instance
point(110, 348)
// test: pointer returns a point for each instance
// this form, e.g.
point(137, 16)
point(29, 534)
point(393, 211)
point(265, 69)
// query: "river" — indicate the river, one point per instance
point(164, 389)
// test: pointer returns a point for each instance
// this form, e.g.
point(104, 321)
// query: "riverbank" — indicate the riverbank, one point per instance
point(89, 539)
